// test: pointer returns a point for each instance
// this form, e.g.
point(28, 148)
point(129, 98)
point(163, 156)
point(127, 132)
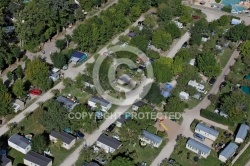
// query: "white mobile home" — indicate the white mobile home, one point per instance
point(242, 133)
point(198, 147)
point(206, 131)
point(19, 143)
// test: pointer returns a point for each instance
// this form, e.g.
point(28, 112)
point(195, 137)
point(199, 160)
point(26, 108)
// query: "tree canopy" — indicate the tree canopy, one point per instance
point(163, 69)
point(54, 117)
point(37, 72)
point(39, 143)
point(121, 161)
point(5, 100)
point(162, 39)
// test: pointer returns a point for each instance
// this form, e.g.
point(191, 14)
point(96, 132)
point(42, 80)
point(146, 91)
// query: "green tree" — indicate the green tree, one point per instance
point(54, 117)
point(140, 42)
point(208, 65)
point(58, 59)
point(61, 44)
point(37, 72)
point(174, 104)
point(19, 71)
point(161, 39)
point(195, 39)
point(245, 48)
point(154, 95)
point(227, 9)
point(121, 161)
point(152, 54)
point(236, 33)
point(5, 100)
point(59, 143)
point(163, 64)
point(9, 75)
point(39, 143)
point(124, 38)
point(172, 28)
point(19, 88)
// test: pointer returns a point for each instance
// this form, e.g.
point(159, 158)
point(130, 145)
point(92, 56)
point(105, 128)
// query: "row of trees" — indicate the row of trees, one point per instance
point(40, 20)
point(99, 30)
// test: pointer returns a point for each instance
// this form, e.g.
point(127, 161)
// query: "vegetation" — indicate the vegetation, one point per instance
point(39, 143)
point(227, 9)
point(121, 161)
point(5, 100)
point(215, 117)
point(19, 89)
point(37, 72)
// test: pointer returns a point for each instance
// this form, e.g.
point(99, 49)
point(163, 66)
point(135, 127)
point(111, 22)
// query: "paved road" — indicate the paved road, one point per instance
point(213, 14)
point(171, 53)
point(192, 114)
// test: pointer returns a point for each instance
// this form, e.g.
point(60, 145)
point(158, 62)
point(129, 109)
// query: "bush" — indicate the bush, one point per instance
point(215, 117)
point(217, 1)
point(227, 9)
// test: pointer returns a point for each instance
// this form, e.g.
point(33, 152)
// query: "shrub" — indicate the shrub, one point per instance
point(227, 9)
point(215, 117)
point(217, 1)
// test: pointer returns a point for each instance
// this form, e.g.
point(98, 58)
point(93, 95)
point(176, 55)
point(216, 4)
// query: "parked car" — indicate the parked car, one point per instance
point(223, 84)
point(79, 134)
point(196, 17)
point(111, 127)
point(198, 136)
point(185, 45)
point(36, 92)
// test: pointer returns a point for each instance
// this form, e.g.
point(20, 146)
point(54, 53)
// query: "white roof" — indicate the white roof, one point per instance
point(192, 62)
point(184, 94)
point(55, 70)
point(74, 59)
point(195, 84)
point(235, 21)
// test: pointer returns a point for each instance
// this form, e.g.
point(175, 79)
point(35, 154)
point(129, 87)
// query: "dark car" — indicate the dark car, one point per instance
point(212, 81)
point(196, 17)
point(223, 84)
point(111, 127)
point(79, 134)
point(36, 92)
point(199, 136)
point(185, 45)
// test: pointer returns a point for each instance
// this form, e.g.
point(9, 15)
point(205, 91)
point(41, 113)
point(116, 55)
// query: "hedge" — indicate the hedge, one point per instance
point(215, 117)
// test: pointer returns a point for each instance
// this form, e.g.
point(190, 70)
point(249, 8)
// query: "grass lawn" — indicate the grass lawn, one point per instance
point(146, 154)
point(80, 95)
point(61, 154)
point(225, 57)
point(180, 155)
point(17, 157)
point(244, 158)
point(192, 103)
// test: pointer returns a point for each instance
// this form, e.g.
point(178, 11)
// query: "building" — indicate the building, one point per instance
point(197, 96)
point(137, 105)
point(198, 147)
point(78, 57)
point(228, 152)
point(167, 88)
point(206, 131)
point(131, 34)
point(35, 159)
point(124, 80)
point(199, 87)
point(107, 143)
point(19, 143)
point(67, 139)
point(104, 104)
point(5, 161)
point(205, 38)
point(178, 24)
point(184, 95)
point(122, 119)
point(66, 102)
point(150, 138)
point(235, 21)
point(192, 62)
point(242, 133)
point(92, 164)
point(18, 105)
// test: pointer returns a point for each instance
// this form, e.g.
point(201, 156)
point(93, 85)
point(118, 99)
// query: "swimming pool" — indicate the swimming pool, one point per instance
point(234, 3)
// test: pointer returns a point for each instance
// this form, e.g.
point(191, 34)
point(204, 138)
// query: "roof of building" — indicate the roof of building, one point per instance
point(131, 34)
point(197, 96)
point(229, 150)
point(139, 103)
point(54, 75)
point(242, 132)
point(111, 142)
point(66, 102)
point(37, 158)
point(207, 129)
point(151, 136)
point(92, 164)
point(19, 141)
point(201, 147)
point(235, 21)
point(99, 100)
point(5, 161)
point(66, 138)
